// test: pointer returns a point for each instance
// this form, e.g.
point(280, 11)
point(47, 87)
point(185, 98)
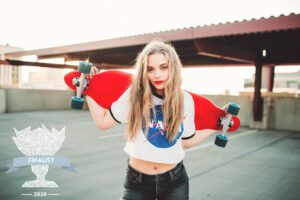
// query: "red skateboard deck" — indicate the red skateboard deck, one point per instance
point(106, 87)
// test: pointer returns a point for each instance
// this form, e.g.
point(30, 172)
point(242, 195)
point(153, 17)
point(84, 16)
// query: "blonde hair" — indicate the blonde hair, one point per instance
point(141, 94)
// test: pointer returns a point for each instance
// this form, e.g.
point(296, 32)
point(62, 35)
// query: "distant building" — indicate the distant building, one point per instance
point(283, 82)
point(45, 78)
point(9, 75)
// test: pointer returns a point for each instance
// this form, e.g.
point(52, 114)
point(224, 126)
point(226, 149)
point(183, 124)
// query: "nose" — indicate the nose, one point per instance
point(157, 74)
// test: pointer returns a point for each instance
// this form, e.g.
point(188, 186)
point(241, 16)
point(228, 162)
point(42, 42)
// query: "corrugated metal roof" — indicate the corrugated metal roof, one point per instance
point(195, 27)
point(252, 26)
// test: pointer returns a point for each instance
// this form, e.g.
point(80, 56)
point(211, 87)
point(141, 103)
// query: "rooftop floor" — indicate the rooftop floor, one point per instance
point(255, 165)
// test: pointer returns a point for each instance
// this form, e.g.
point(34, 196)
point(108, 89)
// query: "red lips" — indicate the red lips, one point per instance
point(158, 82)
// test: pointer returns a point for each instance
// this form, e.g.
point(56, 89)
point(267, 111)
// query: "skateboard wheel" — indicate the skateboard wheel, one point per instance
point(233, 109)
point(84, 67)
point(77, 103)
point(221, 140)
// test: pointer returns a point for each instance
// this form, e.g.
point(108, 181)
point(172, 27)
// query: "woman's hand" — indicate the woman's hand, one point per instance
point(94, 70)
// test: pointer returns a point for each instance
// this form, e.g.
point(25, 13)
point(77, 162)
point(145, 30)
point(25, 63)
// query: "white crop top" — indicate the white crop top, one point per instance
point(155, 147)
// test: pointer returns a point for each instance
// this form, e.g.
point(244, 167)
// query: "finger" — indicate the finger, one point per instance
point(94, 70)
point(91, 72)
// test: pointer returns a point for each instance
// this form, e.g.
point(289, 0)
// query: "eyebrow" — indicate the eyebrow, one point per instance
point(159, 65)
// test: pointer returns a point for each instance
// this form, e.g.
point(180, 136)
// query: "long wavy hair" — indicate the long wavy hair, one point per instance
point(141, 92)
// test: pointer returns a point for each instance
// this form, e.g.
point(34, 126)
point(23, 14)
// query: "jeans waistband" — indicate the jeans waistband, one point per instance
point(166, 175)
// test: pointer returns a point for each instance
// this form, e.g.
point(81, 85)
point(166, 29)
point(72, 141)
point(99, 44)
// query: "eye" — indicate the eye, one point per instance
point(149, 69)
point(164, 67)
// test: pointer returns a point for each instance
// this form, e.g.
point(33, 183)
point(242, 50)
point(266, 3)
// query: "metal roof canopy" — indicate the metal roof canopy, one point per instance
point(237, 43)
point(230, 44)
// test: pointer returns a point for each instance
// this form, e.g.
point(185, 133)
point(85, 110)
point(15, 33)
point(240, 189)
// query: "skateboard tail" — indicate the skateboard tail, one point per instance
point(207, 114)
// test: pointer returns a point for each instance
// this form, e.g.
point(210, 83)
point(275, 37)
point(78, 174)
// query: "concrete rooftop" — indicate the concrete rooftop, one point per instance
point(255, 165)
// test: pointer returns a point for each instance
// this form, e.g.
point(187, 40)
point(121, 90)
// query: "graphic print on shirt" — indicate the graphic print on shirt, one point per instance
point(157, 136)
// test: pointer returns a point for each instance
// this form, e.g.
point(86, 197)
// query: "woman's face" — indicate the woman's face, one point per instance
point(158, 71)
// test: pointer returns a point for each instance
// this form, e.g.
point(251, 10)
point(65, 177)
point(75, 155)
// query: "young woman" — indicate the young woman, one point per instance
point(160, 117)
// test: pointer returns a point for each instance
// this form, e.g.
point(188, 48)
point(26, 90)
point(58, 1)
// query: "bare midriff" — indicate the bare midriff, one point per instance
point(150, 168)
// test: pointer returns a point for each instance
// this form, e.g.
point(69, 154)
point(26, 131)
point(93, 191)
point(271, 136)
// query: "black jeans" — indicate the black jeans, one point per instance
point(173, 184)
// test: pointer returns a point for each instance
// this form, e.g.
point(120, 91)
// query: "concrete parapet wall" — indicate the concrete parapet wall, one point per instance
point(18, 100)
point(285, 114)
point(281, 113)
point(2, 100)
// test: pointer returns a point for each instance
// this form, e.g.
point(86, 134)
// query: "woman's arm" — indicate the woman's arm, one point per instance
point(199, 137)
point(101, 116)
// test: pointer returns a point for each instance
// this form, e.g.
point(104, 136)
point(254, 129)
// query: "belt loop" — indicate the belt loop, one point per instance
point(171, 175)
point(178, 168)
point(140, 177)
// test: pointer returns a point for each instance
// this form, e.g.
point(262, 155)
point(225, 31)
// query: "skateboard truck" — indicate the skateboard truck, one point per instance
point(222, 121)
point(231, 110)
point(76, 82)
point(80, 83)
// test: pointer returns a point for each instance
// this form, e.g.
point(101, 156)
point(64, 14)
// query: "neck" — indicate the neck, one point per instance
point(160, 92)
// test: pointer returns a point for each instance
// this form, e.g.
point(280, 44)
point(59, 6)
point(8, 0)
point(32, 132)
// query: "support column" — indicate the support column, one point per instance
point(257, 101)
point(271, 79)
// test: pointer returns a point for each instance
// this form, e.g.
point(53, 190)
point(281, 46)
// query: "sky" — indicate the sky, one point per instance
point(35, 24)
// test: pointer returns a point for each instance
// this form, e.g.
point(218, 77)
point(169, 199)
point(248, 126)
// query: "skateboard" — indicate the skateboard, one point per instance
point(106, 87)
